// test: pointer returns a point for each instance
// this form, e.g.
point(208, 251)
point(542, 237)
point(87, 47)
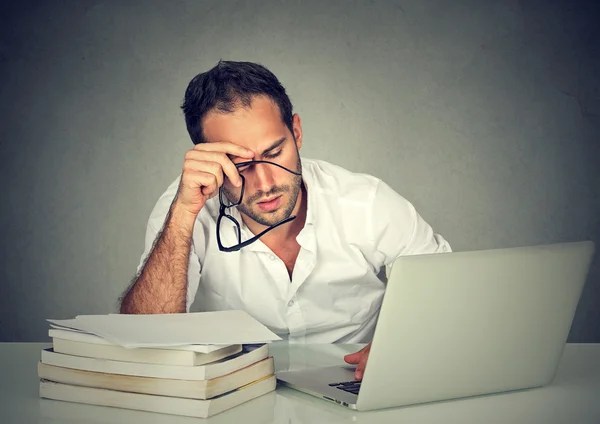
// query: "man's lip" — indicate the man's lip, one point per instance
point(269, 200)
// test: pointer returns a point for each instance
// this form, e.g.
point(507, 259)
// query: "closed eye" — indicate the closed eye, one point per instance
point(272, 155)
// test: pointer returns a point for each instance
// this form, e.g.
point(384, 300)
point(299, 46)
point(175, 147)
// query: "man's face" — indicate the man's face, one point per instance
point(270, 193)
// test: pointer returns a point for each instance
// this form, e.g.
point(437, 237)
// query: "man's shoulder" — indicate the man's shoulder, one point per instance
point(342, 199)
point(162, 205)
point(326, 178)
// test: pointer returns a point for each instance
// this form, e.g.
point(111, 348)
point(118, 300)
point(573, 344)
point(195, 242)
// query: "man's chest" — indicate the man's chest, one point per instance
point(332, 296)
point(288, 254)
point(324, 276)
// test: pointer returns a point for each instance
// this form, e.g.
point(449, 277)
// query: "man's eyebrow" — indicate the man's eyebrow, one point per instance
point(274, 146)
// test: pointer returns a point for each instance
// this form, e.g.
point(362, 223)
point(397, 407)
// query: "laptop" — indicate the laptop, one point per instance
point(455, 325)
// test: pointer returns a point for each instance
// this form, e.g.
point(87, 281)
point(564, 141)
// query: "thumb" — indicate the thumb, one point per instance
point(352, 358)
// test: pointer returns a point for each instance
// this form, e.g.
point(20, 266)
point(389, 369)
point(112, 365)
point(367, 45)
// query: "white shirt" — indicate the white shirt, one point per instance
point(355, 225)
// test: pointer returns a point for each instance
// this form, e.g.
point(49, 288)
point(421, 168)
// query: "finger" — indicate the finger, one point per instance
point(360, 368)
point(225, 147)
point(202, 166)
point(227, 166)
point(210, 191)
point(206, 182)
point(352, 358)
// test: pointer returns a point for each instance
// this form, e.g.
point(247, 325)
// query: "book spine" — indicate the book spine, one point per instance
point(76, 336)
point(176, 372)
point(152, 403)
point(140, 402)
point(117, 353)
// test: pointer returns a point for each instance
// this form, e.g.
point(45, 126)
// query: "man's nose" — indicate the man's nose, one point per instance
point(263, 178)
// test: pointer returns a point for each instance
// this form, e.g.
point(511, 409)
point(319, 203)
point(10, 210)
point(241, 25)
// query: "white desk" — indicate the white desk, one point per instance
point(573, 397)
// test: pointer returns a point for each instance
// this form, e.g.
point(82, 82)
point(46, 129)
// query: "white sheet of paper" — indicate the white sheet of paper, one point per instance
point(66, 324)
point(162, 330)
point(194, 347)
point(82, 336)
point(75, 326)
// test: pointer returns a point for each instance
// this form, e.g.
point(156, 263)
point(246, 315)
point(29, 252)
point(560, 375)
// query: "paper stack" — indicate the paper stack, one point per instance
point(196, 364)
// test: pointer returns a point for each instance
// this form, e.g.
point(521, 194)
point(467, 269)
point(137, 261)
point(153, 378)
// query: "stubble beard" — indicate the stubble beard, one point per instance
point(283, 212)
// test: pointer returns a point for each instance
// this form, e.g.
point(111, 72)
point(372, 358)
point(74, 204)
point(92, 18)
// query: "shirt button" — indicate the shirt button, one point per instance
point(291, 303)
point(272, 257)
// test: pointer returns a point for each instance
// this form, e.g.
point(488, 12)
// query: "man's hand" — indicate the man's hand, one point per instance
point(359, 358)
point(204, 170)
point(161, 286)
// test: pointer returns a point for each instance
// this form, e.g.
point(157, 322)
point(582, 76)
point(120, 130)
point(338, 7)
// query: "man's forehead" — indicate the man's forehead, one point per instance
point(266, 147)
point(246, 126)
point(254, 137)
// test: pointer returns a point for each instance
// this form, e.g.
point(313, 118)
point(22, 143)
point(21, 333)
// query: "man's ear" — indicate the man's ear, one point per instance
point(297, 127)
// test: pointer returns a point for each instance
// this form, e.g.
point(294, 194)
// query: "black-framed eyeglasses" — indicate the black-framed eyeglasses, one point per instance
point(226, 204)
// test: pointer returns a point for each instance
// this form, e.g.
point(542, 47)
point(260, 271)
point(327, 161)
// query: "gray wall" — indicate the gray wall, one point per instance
point(484, 114)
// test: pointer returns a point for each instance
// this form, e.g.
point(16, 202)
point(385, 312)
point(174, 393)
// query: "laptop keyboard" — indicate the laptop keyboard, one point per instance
point(348, 386)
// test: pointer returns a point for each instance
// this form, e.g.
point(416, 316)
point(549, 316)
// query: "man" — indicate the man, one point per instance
point(298, 244)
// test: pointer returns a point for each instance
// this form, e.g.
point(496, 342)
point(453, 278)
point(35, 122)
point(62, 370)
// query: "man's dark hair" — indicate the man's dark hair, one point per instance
point(228, 86)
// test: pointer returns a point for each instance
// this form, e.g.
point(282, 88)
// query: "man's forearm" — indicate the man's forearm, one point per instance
point(161, 286)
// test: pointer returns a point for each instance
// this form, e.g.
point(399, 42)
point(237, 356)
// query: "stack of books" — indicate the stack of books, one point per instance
point(191, 380)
